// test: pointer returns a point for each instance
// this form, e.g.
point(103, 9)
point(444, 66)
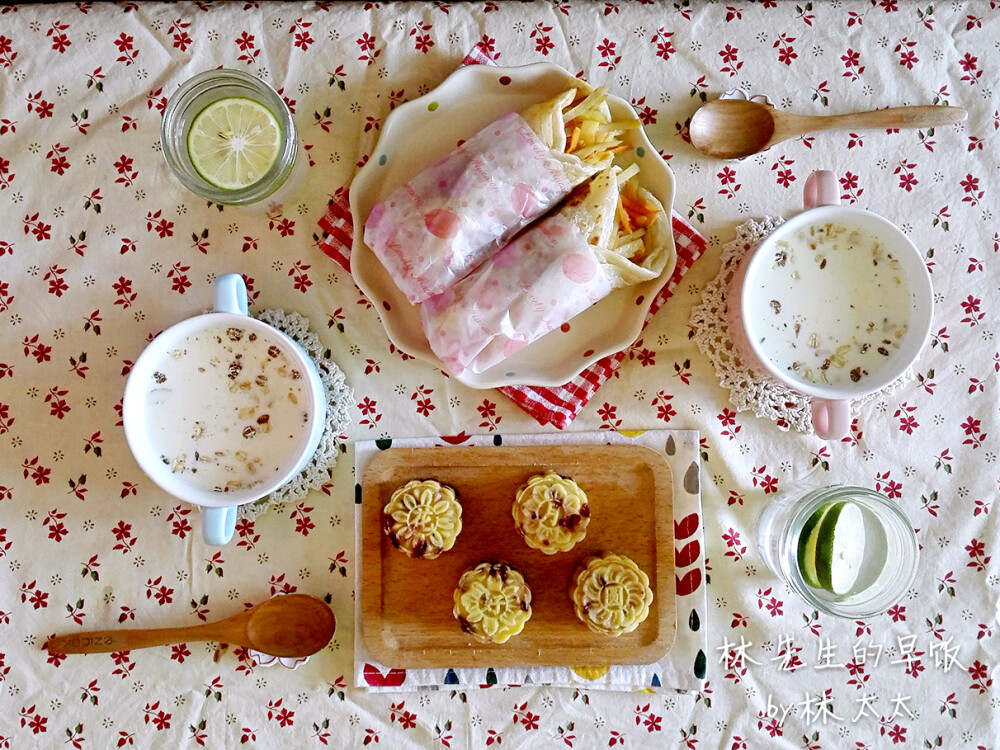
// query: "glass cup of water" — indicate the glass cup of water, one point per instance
point(229, 137)
point(847, 551)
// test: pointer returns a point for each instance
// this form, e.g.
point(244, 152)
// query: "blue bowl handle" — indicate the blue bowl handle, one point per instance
point(218, 524)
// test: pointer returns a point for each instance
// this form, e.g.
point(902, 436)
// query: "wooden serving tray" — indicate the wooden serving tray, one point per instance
point(406, 608)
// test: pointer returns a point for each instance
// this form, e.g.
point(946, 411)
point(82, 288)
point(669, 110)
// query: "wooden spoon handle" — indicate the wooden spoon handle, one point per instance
point(107, 641)
point(896, 117)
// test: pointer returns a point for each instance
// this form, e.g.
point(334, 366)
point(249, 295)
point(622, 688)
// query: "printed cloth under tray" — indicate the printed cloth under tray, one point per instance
point(683, 668)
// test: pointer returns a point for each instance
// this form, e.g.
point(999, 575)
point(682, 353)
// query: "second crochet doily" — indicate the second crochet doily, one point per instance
point(748, 391)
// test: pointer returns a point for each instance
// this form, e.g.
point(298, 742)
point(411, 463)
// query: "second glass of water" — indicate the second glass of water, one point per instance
point(848, 551)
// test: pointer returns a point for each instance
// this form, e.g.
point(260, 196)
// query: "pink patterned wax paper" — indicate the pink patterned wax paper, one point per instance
point(432, 231)
point(532, 286)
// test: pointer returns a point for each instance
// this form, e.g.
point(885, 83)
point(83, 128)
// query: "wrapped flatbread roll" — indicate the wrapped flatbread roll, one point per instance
point(432, 231)
point(606, 235)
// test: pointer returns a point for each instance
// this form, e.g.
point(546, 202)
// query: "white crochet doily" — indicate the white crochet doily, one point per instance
point(748, 391)
point(339, 397)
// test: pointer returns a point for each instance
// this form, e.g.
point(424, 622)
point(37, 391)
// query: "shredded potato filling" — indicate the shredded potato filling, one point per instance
point(590, 132)
point(634, 215)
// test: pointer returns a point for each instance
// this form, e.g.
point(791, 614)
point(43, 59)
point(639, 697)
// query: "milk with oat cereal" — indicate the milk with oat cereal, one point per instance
point(833, 307)
point(227, 409)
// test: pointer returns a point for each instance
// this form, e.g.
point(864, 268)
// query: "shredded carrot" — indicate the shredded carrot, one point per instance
point(640, 208)
point(629, 199)
point(635, 203)
point(574, 140)
point(623, 218)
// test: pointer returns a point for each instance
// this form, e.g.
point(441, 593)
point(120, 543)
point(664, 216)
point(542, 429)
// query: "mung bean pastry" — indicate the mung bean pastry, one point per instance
point(423, 518)
point(551, 513)
point(610, 594)
point(492, 602)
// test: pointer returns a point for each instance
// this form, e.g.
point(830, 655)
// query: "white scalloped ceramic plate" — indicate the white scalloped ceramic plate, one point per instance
point(423, 130)
point(288, 662)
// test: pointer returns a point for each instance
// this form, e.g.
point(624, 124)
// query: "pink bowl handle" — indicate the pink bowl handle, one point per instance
point(821, 189)
point(831, 419)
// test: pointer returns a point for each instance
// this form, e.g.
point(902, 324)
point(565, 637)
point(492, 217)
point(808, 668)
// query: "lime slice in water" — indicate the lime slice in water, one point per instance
point(840, 547)
point(808, 538)
point(233, 142)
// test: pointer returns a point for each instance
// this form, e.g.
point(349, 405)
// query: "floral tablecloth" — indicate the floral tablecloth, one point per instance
point(100, 248)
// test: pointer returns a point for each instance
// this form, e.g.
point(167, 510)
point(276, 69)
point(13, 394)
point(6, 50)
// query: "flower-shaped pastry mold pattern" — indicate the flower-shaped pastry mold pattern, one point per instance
point(492, 602)
point(423, 518)
point(610, 594)
point(551, 512)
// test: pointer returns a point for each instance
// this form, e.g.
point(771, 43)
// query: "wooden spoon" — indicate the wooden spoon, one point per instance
point(292, 625)
point(734, 128)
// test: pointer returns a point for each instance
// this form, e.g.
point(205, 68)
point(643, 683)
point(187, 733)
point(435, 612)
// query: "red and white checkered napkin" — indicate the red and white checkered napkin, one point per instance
point(555, 405)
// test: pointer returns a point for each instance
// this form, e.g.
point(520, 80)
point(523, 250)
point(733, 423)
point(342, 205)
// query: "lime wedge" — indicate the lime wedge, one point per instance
point(808, 538)
point(233, 142)
point(840, 547)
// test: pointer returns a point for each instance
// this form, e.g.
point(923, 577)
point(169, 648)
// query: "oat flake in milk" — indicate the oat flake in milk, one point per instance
point(227, 409)
point(834, 305)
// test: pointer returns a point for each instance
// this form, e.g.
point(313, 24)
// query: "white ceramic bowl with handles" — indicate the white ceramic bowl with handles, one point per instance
point(222, 409)
point(895, 300)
